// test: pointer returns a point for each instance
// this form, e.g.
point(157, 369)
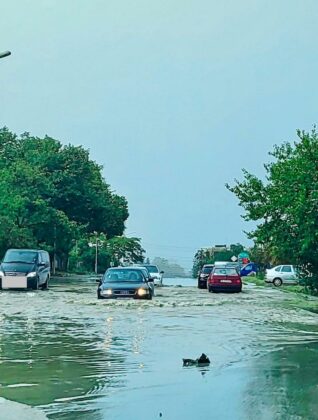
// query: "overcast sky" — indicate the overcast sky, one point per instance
point(173, 97)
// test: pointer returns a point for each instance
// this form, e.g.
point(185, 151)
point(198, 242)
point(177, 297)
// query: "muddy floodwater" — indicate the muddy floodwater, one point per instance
point(66, 355)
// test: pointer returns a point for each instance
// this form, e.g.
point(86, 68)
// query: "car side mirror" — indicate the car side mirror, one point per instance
point(151, 279)
point(162, 272)
point(98, 281)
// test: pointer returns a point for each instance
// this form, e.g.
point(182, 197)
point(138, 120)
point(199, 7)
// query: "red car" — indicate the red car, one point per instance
point(223, 279)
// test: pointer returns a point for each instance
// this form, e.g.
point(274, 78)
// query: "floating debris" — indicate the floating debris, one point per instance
point(203, 360)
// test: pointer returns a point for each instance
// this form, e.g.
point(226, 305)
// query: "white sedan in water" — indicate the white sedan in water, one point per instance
point(154, 273)
point(282, 274)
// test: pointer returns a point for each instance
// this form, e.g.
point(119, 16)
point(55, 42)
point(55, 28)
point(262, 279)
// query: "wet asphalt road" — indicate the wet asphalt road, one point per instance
point(76, 357)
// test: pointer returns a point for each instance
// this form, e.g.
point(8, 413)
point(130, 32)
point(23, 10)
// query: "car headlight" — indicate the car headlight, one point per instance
point(142, 292)
point(32, 274)
point(106, 292)
point(1, 274)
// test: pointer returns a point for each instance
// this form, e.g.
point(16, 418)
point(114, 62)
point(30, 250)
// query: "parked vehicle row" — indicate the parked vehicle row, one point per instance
point(215, 276)
point(30, 269)
point(220, 277)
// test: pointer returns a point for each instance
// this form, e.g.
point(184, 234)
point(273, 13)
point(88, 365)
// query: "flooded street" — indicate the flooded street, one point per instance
point(75, 357)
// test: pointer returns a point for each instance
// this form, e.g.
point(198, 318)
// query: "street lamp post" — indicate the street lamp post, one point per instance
point(5, 54)
point(96, 245)
point(96, 255)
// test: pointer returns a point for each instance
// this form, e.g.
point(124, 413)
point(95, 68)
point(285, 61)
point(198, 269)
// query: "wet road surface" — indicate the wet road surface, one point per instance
point(75, 357)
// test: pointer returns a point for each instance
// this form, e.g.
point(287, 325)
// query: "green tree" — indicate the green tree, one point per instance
point(52, 195)
point(285, 204)
point(118, 250)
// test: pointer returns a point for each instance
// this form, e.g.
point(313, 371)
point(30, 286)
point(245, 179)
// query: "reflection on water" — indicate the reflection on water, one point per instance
point(284, 384)
point(80, 358)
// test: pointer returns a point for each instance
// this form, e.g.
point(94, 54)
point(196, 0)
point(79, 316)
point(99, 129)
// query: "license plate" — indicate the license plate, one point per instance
point(225, 281)
point(14, 282)
point(124, 292)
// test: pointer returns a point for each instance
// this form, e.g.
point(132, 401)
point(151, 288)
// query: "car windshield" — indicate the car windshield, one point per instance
point(18, 256)
point(123, 276)
point(144, 271)
point(207, 270)
point(152, 269)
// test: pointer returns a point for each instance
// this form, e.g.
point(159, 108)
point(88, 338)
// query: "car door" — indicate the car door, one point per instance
point(295, 275)
point(42, 267)
point(287, 274)
point(274, 272)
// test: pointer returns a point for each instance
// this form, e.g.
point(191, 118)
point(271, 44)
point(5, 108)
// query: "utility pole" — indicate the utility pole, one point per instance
point(96, 245)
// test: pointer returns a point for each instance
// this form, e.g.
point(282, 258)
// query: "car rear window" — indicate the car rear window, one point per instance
point(207, 270)
point(225, 272)
point(231, 272)
point(220, 271)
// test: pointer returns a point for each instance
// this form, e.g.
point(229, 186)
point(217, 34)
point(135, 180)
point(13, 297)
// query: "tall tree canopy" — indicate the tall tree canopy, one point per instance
point(285, 204)
point(211, 255)
point(51, 194)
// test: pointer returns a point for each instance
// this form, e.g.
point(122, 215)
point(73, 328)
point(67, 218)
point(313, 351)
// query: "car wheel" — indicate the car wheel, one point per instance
point(36, 284)
point(209, 289)
point(45, 286)
point(277, 282)
point(200, 285)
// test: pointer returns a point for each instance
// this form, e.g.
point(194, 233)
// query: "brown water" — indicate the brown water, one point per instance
point(76, 357)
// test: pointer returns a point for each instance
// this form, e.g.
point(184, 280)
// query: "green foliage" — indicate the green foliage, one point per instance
point(211, 255)
point(285, 205)
point(52, 195)
point(118, 250)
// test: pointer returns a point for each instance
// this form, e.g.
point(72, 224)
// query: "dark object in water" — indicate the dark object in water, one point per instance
point(203, 360)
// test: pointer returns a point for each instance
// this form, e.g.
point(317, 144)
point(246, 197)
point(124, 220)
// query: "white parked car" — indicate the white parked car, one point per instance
point(154, 273)
point(282, 274)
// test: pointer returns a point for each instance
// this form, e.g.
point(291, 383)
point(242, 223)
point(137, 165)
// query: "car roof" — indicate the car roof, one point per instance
point(26, 250)
point(139, 268)
point(208, 265)
point(280, 265)
point(125, 268)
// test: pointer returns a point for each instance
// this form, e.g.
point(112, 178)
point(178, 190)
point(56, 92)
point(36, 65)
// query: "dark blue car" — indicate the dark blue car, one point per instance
point(126, 282)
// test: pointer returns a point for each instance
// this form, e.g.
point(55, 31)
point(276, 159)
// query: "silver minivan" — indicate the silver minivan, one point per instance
point(25, 269)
